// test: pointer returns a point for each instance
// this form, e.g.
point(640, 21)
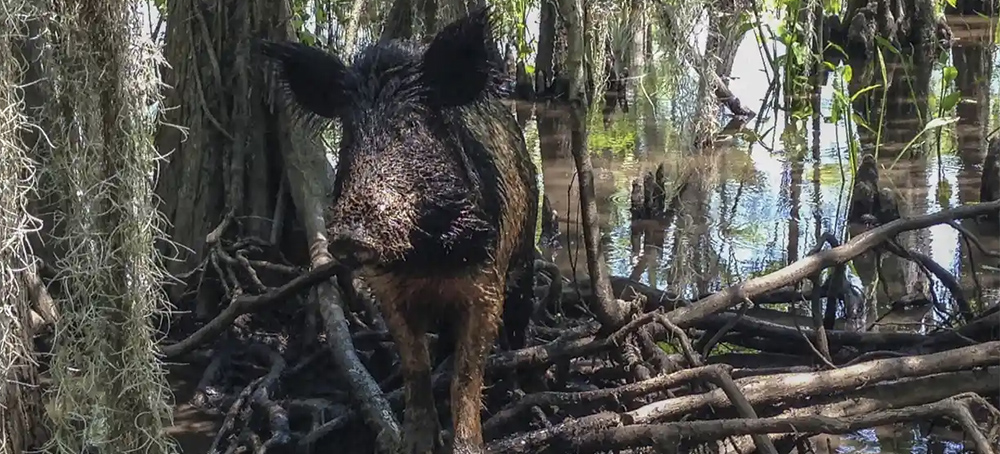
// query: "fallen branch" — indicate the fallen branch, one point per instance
point(307, 172)
point(561, 349)
point(365, 391)
point(249, 303)
point(621, 396)
point(770, 389)
point(257, 393)
point(668, 436)
point(802, 269)
point(764, 390)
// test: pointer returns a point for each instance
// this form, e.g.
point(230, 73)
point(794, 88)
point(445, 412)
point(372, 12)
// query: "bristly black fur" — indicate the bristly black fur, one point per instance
point(475, 60)
point(434, 201)
point(461, 65)
point(313, 78)
point(414, 121)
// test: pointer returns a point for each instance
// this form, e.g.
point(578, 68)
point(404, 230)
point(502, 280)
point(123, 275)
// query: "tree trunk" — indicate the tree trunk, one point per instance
point(229, 161)
point(430, 10)
point(608, 311)
point(550, 81)
point(399, 22)
point(353, 23)
point(109, 384)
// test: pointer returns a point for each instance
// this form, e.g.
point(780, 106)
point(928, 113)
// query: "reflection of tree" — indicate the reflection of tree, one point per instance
point(973, 60)
point(905, 112)
point(559, 182)
point(794, 168)
point(906, 105)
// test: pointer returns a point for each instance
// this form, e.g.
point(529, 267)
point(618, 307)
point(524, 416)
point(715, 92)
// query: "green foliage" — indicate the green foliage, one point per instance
point(620, 137)
point(513, 18)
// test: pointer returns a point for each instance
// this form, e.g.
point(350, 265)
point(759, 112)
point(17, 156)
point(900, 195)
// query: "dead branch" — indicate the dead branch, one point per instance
point(890, 395)
point(801, 269)
point(770, 389)
point(249, 303)
point(947, 279)
point(619, 397)
point(255, 394)
point(669, 435)
point(765, 390)
point(564, 349)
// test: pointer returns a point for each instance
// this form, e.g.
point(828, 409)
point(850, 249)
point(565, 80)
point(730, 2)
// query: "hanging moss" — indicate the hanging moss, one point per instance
point(109, 390)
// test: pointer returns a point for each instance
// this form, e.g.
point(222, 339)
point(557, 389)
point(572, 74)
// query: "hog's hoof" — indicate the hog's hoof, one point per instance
point(421, 435)
point(418, 444)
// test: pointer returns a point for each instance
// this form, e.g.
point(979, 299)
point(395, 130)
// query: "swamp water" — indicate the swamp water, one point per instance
point(752, 208)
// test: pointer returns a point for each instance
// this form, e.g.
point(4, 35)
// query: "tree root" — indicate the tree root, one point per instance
point(236, 428)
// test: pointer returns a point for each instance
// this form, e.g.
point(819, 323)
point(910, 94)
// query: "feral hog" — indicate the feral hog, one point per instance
point(434, 202)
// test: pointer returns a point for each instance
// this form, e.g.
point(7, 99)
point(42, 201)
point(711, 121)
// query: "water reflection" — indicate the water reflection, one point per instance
point(752, 207)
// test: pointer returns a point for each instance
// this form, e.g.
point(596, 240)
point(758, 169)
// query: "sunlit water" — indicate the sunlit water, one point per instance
point(750, 205)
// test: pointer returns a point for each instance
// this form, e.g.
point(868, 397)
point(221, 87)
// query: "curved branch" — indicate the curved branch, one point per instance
point(670, 434)
point(249, 303)
point(802, 269)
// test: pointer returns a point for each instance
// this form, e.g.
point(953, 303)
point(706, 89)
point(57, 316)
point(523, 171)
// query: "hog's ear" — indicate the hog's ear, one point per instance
point(314, 78)
point(462, 62)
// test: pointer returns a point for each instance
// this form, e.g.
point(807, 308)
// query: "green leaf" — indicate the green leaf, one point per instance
point(939, 122)
point(848, 74)
point(951, 2)
point(886, 44)
point(861, 122)
point(950, 73)
point(863, 90)
point(835, 114)
point(881, 66)
point(949, 102)
point(933, 124)
point(837, 48)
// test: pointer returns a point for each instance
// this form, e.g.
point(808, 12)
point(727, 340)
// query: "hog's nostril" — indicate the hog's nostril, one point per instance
point(351, 248)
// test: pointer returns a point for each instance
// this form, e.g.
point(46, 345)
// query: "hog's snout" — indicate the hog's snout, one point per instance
point(352, 247)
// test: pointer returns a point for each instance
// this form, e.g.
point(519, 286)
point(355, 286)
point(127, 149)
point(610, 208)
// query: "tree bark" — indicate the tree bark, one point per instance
point(611, 315)
point(550, 80)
